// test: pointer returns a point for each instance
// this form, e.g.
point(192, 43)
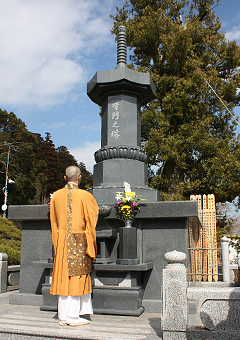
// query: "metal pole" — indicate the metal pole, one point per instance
point(6, 183)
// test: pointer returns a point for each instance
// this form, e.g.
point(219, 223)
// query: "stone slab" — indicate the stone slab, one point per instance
point(118, 300)
point(16, 298)
point(28, 212)
point(27, 323)
point(173, 209)
point(122, 267)
point(213, 293)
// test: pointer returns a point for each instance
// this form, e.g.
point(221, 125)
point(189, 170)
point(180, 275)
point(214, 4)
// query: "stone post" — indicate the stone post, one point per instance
point(174, 313)
point(225, 259)
point(3, 272)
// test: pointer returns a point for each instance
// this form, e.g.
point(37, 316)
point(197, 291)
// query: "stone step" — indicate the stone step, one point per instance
point(29, 323)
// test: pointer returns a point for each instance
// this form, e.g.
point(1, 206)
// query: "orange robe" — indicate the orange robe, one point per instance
point(84, 219)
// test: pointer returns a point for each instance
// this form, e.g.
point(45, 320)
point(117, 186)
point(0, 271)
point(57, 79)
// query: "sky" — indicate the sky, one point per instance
point(50, 49)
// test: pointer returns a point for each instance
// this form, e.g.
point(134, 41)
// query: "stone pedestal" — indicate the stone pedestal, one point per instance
point(161, 226)
point(119, 289)
point(174, 314)
point(127, 246)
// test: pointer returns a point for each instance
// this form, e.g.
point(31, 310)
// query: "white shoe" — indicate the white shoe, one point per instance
point(77, 321)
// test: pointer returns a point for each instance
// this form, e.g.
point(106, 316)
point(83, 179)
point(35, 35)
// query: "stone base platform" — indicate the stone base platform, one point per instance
point(29, 323)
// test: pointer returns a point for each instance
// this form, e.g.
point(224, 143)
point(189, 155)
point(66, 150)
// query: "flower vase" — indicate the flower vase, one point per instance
point(128, 224)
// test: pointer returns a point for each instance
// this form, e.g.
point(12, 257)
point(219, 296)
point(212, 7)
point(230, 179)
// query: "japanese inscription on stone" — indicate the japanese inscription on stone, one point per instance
point(114, 120)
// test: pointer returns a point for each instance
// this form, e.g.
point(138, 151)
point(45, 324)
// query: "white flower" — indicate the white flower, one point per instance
point(118, 196)
point(127, 187)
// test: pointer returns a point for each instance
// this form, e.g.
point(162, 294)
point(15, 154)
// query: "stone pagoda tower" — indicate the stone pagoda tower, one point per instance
point(121, 92)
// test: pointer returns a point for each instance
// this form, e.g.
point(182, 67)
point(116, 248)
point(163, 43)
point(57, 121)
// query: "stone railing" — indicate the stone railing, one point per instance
point(215, 305)
point(9, 275)
point(13, 277)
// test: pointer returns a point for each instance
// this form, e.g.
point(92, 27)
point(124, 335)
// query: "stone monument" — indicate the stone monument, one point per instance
point(121, 92)
point(127, 273)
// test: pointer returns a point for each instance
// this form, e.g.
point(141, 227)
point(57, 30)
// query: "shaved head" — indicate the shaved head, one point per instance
point(72, 173)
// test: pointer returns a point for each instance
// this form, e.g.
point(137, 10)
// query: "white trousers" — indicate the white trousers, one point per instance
point(73, 306)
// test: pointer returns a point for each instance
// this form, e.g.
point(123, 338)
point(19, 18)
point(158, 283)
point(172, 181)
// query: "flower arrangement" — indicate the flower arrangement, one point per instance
point(127, 205)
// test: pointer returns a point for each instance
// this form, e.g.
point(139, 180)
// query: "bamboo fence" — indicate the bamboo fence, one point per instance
point(202, 241)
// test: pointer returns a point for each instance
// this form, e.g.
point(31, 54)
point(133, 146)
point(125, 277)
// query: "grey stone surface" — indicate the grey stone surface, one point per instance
point(213, 293)
point(221, 314)
point(192, 307)
point(174, 335)
point(173, 209)
point(197, 333)
point(28, 212)
point(216, 307)
point(127, 246)
point(36, 245)
point(121, 79)
point(50, 302)
point(107, 194)
point(123, 268)
point(3, 272)
point(121, 121)
point(225, 259)
point(157, 239)
point(105, 173)
point(152, 306)
point(118, 300)
point(31, 323)
point(174, 314)
point(16, 298)
point(121, 92)
point(175, 257)
point(14, 278)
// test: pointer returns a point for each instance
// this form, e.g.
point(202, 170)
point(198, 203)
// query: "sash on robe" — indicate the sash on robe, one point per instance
point(79, 263)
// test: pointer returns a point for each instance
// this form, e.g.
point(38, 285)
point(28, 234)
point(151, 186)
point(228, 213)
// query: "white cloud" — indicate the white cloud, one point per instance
point(85, 153)
point(45, 46)
point(234, 34)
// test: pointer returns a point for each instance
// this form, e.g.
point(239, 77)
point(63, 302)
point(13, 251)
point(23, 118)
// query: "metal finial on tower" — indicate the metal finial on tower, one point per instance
point(122, 46)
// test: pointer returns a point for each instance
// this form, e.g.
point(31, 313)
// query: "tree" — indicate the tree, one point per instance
point(46, 152)
point(66, 159)
point(87, 177)
point(187, 132)
point(22, 170)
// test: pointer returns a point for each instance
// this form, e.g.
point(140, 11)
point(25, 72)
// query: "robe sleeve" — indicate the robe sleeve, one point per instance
point(53, 220)
point(91, 217)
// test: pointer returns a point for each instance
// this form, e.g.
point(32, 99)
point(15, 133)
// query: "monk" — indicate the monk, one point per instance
point(73, 216)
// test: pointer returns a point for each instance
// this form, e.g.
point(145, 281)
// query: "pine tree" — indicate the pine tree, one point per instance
point(86, 177)
point(46, 152)
point(187, 132)
point(66, 159)
point(22, 168)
